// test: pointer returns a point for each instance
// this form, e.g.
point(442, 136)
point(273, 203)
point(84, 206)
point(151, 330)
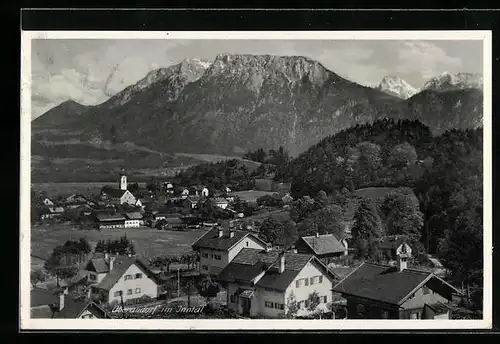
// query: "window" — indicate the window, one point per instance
point(311, 280)
point(279, 305)
point(414, 315)
point(88, 316)
point(129, 292)
point(128, 277)
point(92, 277)
point(118, 293)
point(297, 284)
point(217, 257)
point(232, 299)
point(246, 243)
point(320, 278)
point(325, 299)
point(384, 314)
point(137, 290)
point(306, 280)
point(268, 304)
point(204, 267)
point(205, 255)
point(360, 309)
point(139, 275)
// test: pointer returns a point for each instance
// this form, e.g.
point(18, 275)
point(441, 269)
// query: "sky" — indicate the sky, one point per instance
point(89, 71)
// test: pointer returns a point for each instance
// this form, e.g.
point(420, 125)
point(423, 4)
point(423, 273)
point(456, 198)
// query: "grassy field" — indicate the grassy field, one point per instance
point(213, 158)
point(147, 241)
point(251, 195)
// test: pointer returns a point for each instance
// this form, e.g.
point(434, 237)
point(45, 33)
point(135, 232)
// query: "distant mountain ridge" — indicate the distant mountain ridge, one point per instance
point(453, 82)
point(242, 102)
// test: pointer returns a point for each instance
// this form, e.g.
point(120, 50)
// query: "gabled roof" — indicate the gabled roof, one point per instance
point(250, 263)
point(211, 239)
point(73, 309)
point(221, 200)
point(113, 192)
point(109, 217)
point(134, 215)
point(42, 297)
point(384, 283)
point(323, 244)
point(120, 266)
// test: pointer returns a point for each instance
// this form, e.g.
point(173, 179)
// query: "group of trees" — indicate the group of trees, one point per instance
point(122, 246)
point(216, 175)
point(163, 262)
point(64, 259)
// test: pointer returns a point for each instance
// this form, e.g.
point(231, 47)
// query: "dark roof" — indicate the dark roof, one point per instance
point(393, 242)
point(41, 312)
point(323, 244)
point(134, 215)
point(113, 192)
point(99, 265)
point(109, 217)
point(249, 263)
point(120, 266)
point(43, 297)
point(383, 283)
point(438, 307)
point(73, 309)
point(211, 239)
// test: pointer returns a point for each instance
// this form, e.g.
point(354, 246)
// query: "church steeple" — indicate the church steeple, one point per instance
point(123, 180)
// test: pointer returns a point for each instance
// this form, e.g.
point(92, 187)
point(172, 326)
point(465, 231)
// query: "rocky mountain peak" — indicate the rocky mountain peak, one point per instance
point(396, 86)
point(454, 81)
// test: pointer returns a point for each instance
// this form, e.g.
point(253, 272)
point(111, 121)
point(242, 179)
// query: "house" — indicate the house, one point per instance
point(287, 199)
point(118, 196)
point(175, 223)
point(121, 275)
point(52, 212)
point(219, 246)
point(375, 291)
point(104, 221)
point(393, 245)
point(169, 188)
point(326, 247)
point(264, 283)
point(133, 220)
point(185, 192)
point(48, 202)
point(75, 201)
point(204, 192)
point(221, 202)
point(46, 305)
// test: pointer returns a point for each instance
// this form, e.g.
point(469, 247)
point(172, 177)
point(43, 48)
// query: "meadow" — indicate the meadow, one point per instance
point(147, 241)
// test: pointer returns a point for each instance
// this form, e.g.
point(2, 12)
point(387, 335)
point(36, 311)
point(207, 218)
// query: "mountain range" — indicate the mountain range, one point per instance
point(242, 102)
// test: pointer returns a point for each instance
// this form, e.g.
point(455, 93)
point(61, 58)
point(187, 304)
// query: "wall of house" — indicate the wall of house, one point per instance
point(359, 308)
point(213, 265)
point(127, 197)
point(146, 285)
point(248, 242)
point(261, 296)
point(400, 248)
point(86, 315)
point(132, 223)
point(112, 224)
point(98, 276)
point(302, 292)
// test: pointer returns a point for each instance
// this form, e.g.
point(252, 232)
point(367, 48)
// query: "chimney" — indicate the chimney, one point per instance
point(282, 262)
point(106, 255)
point(231, 233)
point(402, 261)
point(111, 261)
point(61, 300)
point(221, 232)
point(317, 235)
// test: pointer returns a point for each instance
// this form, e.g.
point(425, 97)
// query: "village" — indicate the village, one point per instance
point(232, 267)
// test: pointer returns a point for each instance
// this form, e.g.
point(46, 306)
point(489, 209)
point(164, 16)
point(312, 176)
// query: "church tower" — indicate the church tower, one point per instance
point(123, 183)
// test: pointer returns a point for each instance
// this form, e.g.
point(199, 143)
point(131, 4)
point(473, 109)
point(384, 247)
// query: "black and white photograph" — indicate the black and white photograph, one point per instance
point(256, 180)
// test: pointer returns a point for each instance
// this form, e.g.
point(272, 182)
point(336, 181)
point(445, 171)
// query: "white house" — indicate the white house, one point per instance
point(264, 283)
point(117, 276)
point(133, 220)
point(221, 202)
point(394, 245)
point(48, 202)
point(219, 246)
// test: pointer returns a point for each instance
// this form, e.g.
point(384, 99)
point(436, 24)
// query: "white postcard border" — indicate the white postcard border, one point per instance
point(238, 324)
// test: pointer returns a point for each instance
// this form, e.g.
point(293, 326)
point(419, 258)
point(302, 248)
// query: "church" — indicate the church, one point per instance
point(119, 196)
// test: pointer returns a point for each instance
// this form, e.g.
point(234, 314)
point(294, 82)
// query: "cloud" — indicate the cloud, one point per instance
point(426, 59)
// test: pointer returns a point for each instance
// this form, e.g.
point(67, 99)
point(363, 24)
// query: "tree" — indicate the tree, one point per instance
point(302, 208)
point(134, 188)
point(402, 155)
point(328, 220)
point(292, 306)
point(153, 186)
point(313, 301)
point(208, 288)
point(403, 217)
point(366, 231)
point(321, 199)
point(65, 273)
point(37, 276)
point(278, 231)
point(270, 201)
